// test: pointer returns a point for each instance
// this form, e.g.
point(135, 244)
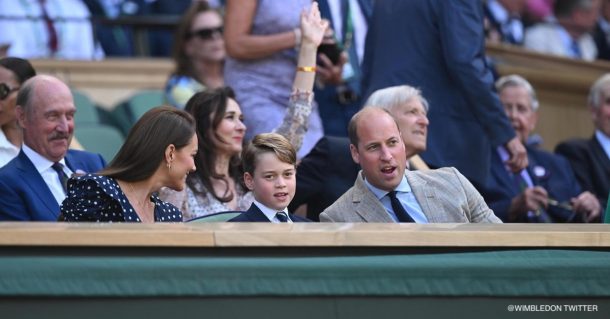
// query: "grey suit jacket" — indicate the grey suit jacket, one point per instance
point(444, 194)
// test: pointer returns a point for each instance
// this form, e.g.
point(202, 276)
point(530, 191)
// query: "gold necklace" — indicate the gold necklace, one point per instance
point(143, 206)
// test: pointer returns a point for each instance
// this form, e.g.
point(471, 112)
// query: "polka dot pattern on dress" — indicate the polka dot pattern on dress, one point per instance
point(100, 198)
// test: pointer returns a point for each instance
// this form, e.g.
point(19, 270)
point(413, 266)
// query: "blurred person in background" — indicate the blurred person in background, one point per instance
point(199, 53)
point(590, 158)
point(569, 34)
point(503, 21)
point(13, 73)
point(58, 29)
point(601, 34)
point(547, 190)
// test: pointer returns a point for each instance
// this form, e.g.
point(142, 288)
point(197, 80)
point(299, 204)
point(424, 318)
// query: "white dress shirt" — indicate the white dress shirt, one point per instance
point(49, 175)
point(8, 151)
point(270, 213)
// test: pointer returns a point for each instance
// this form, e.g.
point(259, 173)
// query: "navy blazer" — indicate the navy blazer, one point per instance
point(25, 196)
point(590, 164)
point(550, 171)
point(324, 175)
point(438, 46)
point(255, 215)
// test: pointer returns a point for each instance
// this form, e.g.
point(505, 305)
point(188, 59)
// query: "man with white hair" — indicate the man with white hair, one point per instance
point(547, 190)
point(590, 158)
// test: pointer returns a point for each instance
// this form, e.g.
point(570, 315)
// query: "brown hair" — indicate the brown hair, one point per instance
point(184, 66)
point(268, 143)
point(144, 148)
point(208, 108)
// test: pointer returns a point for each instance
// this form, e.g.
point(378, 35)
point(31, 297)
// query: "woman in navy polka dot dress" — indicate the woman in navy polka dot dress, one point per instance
point(158, 152)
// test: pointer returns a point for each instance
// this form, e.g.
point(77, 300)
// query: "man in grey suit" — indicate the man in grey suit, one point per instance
point(385, 192)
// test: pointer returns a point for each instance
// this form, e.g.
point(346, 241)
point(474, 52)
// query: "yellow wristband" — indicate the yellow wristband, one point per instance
point(306, 68)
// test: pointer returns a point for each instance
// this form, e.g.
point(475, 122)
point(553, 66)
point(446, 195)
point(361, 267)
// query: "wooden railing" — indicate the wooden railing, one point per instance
point(304, 235)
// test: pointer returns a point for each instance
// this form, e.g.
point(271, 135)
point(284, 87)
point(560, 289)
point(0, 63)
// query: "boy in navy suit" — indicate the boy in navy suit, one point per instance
point(269, 163)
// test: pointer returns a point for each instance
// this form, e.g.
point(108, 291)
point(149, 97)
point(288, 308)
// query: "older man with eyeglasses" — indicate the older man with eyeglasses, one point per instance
point(547, 190)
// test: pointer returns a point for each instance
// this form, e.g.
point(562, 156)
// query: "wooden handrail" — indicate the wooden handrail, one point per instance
point(303, 234)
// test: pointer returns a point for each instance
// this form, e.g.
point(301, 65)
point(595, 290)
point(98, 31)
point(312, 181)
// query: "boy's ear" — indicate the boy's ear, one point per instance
point(249, 181)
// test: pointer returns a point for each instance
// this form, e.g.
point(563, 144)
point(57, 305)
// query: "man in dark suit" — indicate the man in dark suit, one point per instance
point(438, 46)
point(33, 185)
point(339, 96)
point(590, 158)
point(547, 191)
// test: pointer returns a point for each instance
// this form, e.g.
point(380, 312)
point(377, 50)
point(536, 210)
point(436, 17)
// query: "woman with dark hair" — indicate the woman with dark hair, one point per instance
point(158, 152)
point(217, 185)
point(13, 73)
point(199, 53)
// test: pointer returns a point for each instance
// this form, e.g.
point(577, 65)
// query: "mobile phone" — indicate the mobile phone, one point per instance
point(331, 50)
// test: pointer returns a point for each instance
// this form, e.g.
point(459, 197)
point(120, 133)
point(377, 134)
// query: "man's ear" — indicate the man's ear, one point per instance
point(355, 156)
point(20, 114)
point(249, 181)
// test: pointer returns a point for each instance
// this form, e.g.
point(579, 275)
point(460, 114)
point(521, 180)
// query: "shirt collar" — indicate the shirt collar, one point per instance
point(40, 162)
point(403, 187)
point(604, 140)
point(269, 213)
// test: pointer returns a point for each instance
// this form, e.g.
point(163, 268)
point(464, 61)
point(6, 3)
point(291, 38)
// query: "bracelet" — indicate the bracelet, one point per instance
point(306, 68)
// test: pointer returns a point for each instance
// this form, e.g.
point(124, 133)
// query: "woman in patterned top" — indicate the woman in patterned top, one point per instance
point(158, 152)
point(218, 186)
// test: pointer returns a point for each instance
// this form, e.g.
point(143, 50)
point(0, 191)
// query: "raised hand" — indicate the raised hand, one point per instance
point(313, 26)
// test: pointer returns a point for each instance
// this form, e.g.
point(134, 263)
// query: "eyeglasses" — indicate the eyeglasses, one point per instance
point(206, 34)
point(5, 91)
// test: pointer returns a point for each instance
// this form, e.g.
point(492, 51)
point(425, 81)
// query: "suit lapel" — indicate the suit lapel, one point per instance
point(367, 205)
point(600, 155)
point(256, 215)
point(426, 197)
point(34, 181)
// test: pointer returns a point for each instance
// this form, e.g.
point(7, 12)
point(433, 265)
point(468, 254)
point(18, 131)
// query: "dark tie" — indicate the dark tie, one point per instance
point(400, 211)
point(63, 178)
point(282, 217)
point(53, 43)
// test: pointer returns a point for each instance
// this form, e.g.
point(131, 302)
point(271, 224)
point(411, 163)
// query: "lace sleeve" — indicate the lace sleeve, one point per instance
point(296, 121)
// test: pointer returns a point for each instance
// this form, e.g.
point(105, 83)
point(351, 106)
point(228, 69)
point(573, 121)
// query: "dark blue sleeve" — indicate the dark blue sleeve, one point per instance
point(11, 205)
point(462, 41)
point(86, 201)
